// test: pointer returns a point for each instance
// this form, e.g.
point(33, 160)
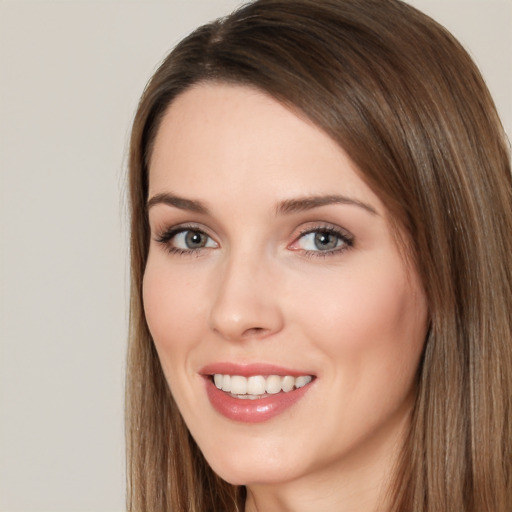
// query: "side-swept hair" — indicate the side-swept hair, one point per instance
point(400, 95)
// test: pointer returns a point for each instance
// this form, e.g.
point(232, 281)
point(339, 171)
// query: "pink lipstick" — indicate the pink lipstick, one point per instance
point(253, 393)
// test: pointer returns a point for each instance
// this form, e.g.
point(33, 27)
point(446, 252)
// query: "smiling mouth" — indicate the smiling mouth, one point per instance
point(258, 386)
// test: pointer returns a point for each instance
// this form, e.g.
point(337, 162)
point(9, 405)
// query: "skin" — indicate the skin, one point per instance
point(261, 291)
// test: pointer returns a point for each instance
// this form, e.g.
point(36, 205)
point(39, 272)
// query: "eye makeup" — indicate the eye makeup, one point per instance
point(314, 241)
point(322, 241)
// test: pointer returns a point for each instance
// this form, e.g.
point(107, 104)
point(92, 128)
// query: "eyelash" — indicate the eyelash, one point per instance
point(346, 239)
point(167, 236)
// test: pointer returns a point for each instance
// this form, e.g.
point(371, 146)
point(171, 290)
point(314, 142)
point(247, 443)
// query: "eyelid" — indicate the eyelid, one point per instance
point(165, 235)
point(344, 235)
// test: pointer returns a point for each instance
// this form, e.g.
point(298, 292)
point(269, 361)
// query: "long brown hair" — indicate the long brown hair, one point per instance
point(405, 101)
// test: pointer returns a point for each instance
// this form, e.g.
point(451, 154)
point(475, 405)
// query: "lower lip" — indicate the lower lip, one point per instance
point(252, 411)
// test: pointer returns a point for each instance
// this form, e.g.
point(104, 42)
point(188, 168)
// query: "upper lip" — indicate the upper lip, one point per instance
point(249, 369)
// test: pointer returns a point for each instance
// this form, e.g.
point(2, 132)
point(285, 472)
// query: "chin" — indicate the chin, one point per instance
point(250, 474)
point(253, 466)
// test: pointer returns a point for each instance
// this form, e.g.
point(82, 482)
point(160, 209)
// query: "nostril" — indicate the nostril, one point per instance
point(254, 331)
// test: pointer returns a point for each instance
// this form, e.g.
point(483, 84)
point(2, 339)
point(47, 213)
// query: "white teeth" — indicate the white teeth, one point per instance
point(302, 381)
point(273, 384)
point(238, 385)
point(226, 383)
point(288, 383)
point(256, 385)
point(218, 379)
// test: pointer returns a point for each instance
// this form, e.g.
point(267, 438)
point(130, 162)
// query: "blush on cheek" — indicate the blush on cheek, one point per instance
point(172, 308)
point(160, 305)
point(369, 311)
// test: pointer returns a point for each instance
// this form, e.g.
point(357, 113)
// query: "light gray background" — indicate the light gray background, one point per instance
point(71, 73)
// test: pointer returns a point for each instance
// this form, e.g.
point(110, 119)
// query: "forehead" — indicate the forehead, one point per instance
point(215, 136)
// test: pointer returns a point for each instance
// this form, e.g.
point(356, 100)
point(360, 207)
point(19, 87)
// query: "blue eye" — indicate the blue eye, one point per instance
point(191, 239)
point(186, 240)
point(323, 240)
point(320, 241)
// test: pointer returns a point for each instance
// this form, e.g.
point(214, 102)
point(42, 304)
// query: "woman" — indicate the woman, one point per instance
point(321, 287)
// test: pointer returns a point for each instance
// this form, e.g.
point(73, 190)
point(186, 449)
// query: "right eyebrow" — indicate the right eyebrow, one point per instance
point(176, 202)
point(310, 202)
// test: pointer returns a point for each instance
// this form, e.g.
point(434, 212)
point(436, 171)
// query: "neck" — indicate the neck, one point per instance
point(352, 494)
point(359, 483)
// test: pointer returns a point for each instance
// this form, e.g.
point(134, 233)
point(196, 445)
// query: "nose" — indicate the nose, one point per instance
point(246, 301)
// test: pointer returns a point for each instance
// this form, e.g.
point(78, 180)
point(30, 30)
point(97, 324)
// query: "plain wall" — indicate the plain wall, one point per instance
point(71, 73)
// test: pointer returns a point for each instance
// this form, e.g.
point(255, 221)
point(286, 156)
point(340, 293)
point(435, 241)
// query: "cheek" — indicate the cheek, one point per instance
point(171, 306)
point(376, 314)
point(370, 325)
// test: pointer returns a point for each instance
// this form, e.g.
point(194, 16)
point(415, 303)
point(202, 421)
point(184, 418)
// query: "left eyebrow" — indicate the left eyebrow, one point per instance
point(308, 203)
point(178, 202)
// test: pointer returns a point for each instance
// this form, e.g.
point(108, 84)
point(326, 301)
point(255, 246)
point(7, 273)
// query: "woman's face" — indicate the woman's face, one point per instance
point(273, 266)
